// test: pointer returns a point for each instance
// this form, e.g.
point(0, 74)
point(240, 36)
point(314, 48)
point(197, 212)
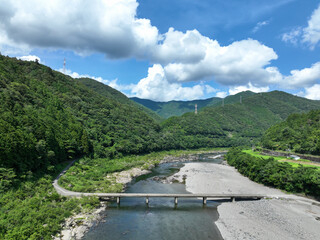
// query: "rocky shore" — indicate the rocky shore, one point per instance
point(282, 216)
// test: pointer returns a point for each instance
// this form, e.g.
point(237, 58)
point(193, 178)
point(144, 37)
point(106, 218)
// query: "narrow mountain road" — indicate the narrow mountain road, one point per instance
point(64, 192)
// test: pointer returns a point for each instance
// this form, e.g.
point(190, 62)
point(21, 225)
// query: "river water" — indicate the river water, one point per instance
point(161, 219)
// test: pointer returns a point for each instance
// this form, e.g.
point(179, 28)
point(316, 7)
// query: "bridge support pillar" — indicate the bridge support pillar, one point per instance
point(118, 200)
point(147, 200)
point(175, 200)
point(233, 199)
point(204, 200)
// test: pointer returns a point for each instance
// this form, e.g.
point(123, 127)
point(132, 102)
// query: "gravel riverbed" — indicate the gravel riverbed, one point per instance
point(282, 217)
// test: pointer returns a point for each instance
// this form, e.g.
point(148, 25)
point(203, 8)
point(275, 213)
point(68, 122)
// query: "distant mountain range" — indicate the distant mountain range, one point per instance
point(178, 108)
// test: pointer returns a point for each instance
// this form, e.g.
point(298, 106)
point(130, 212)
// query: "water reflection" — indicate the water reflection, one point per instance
point(161, 218)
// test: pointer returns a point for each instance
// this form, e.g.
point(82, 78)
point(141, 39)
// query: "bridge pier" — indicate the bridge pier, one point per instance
point(233, 199)
point(175, 200)
point(118, 200)
point(147, 200)
point(204, 201)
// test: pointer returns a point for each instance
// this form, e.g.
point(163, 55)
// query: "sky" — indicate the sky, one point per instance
point(172, 49)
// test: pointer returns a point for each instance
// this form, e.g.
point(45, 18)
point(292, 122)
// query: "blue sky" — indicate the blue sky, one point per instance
point(172, 49)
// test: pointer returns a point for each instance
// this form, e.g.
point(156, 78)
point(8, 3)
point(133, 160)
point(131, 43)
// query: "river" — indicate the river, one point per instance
point(160, 219)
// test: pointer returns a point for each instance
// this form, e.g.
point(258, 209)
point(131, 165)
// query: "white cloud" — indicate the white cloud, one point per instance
point(210, 89)
point(109, 26)
point(302, 78)
point(311, 34)
point(260, 25)
point(30, 58)
point(156, 87)
point(221, 94)
point(180, 47)
point(249, 87)
point(112, 83)
point(238, 63)
point(292, 36)
point(313, 92)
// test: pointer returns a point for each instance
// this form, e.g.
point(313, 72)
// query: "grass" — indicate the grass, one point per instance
point(293, 163)
point(96, 175)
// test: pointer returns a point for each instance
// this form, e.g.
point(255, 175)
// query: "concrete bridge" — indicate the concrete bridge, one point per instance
point(175, 196)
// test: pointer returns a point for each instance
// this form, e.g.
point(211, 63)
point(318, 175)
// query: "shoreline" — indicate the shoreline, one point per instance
point(283, 217)
point(75, 227)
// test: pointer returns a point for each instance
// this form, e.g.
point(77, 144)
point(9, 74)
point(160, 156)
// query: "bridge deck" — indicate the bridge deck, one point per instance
point(172, 195)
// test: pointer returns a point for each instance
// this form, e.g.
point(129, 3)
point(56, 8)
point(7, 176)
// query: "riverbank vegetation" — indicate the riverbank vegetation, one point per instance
point(299, 133)
point(95, 175)
point(30, 208)
point(270, 172)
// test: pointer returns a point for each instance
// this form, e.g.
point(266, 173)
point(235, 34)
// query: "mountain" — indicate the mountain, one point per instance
point(235, 124)
point(299, 132)
point(175, 108)
point(47, 117)
point(111, 93)
point(178, 108)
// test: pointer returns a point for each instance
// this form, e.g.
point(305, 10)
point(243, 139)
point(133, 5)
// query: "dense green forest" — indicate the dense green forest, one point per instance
point(299, 133)
point(178, 108)
point(47, 117)
point(276, 174)
point(234, 124)
point(109, 92)
point(175, 108)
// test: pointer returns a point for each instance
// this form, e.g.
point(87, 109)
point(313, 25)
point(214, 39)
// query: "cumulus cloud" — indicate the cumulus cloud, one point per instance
point(32, 58)
point(313, 92)
point(238, 63)
point(302, 78)
point(176, 46)
point(249, 87)
point(110, 27)
point(156, 87)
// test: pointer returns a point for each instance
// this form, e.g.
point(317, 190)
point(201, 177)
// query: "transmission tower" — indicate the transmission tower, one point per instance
point(240, 99)
point(222, 102)
point(64, 66)
point(196, 109)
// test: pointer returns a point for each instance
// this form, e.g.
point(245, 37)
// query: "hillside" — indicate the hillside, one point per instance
point(235, 124)
point(47, 117)
point(111, 93)
point(175, 108)
point(178, 108)
point(299, 133)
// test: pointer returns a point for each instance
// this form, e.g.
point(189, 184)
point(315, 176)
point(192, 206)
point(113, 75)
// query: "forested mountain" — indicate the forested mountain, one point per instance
point(299, 132)
point(178, 108)
point(175, 108)
point(47, 117)
point(235, 124)
point(111, 93)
